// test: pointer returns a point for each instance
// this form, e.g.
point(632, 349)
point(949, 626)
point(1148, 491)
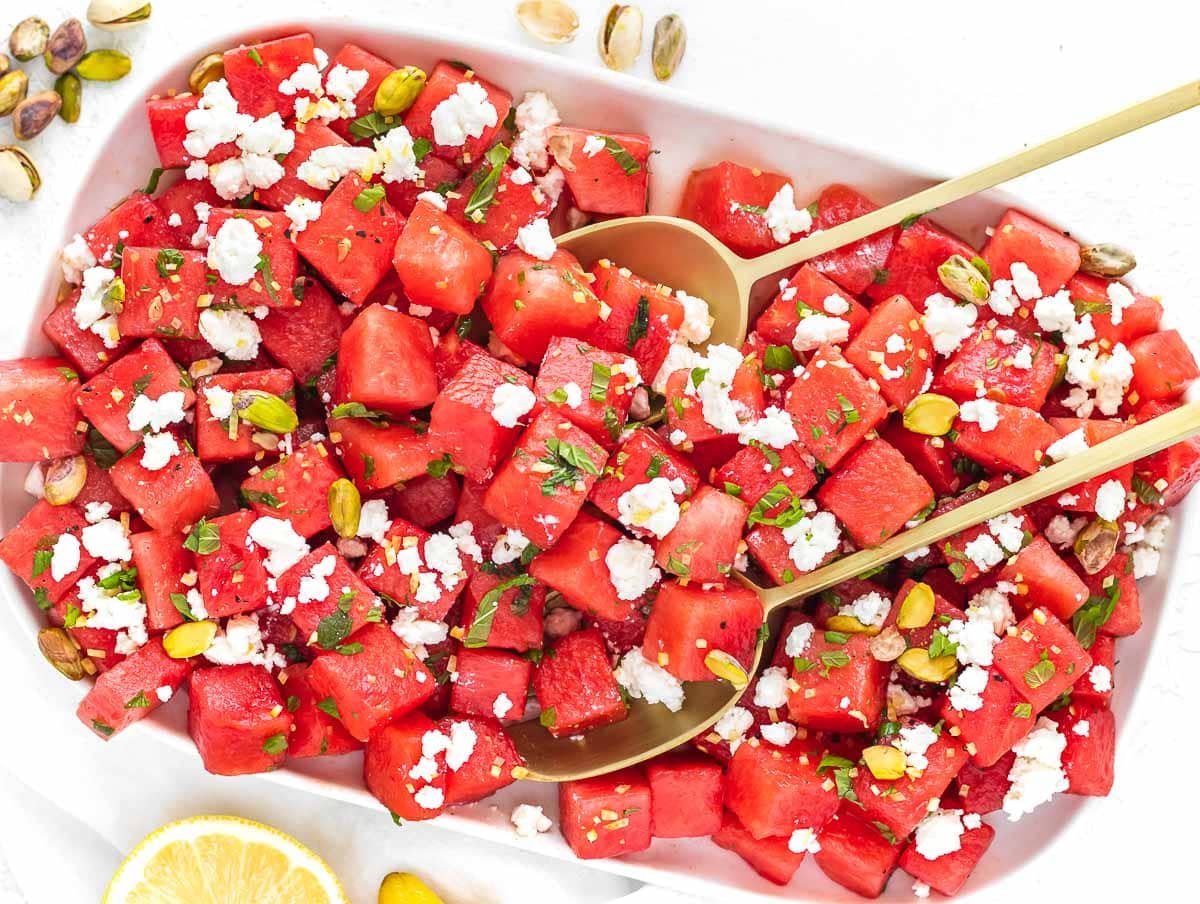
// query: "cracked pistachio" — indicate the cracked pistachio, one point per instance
point(66, 46)
point(670, 41)
point(104, 65)
point(1096, 544)
point(13, 88)
point(19, 178)
point(64, 479)
point(28, 38)
point(189, 639)
point(917, 663)
point(886, 762)
point(620, 38)
point(723, 665)
point(265, 410)
point(345, 507)
point(70, 89)
point(113, 15)
point(962, 278)
point(887, 645)
point(208, 68)
point(848, 624)
point(398, 91)
point(5, 63)
point(917, 608)
point(34, 113)
point(61, 652)
point(1106, 260)
point(551, 21)
point(930, 414)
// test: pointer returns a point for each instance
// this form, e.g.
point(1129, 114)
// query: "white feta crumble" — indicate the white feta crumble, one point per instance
point(511, 402)
point(76, 257)
point(983, 412)
point(509, 546)
point(1024, 281)
point(1101, 679)
point(416, 632)
point(836, 305)
point(301, 211)
point(464, 114)
point(95, 512)
point(697, 321)
point(1055, 313)
point(89, 309)
point(155, 414)
point(804, 841)
point(816, 330)
point(593, 145)
point(314, 587)
point(534, 115)
point(771, 690)
point(1064, 447)
point(947, 322)
point(783, 218)
point(529, 820)
point(1023, 359)
point(373, 520)
point(284, 546)
point(1036, 774)
point(327, 166)
point(64, 556)
point(920, 890)
point(1002, 300)
point(220, 402)
point(502, 706)
point(914, 742)
point(430, 798)
point(774, 429)
point(643, 679)
point(779, 733)
point(231, 333)
point(966, 693)
point(107, 540)
point(984, 552)
point(939, 834)
point(436, 199)
point(1083, 728)
point(1110, 500)
point(397, 159)
point(631, 568)
point(235, 250)
point(345, 83)
point(241, 641)
point(1119, 298)
point(811, 539)
point(651, 506)
point(798, 639)
point(734, 724)
point(157, 450)
point(870, 609)
point(679, 357)
point(535, 239)
point(520, 176)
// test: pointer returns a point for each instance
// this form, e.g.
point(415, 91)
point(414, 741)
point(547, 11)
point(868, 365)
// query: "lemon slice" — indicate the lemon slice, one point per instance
point(222, 860)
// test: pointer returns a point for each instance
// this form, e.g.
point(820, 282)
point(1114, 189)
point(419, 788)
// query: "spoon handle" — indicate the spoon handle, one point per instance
point(1137, 442)
point(1128, 120)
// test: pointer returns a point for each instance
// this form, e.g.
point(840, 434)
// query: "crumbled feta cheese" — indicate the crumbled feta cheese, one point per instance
point(397, 159)
point(894, 344)
point(373, 520)
point(231, 333)
point(651, 506)
point(783, 218)
point(1023, 359)
point(774, 429)
point(416, 632)
point(1002, 300)
point(76, 257)
point(464, 114)
point(1025, 281)
point(1083, 728)
point(302, 211)
point(502, 706)
point(520, 176)
point(113, 609)
point(1100, 677)
point(344, 83)
point(157, 450)
point(307, 77)
point(156, 414)
point(816, 330)
point(593, 145)
point(697, 322)
point(811, 539)
point(719, 367)
point(313, 586)
point(1110, 500)
point(804, 841)
point(235, 250)
point(551, 184)
point(95, 512)
point(529, 820)
point(914, 742)
point(984, 552)
point(220, 402)
point(326, 166)
point(947, 322)
point(1119, 298)
point(1009, 530)
point(1036, 774)
point(939, 833)
point(966, 694)
point(511, 402)
point(778, 733)
point(631, 568)
point(1062, 531)
point(214, 121)
point(509, 546)
point(107, 540)
point(89, 309)
point(646, 680)
point(1055, 313)
point(677, 438)
point(574, 395)
point(434, 198)
point(241, 641)
point(284, 546)
point(535, 239)
point(920, 890)
point(64, 556)
point(1006, 335)
point(430, 798)
point(734, 724)
point(267, 137)
point(771, 691)
point(798, 639)
point(679, 357)
point(870, 609)
point(836, 305)
point(464, 537)
point(983, 412)
point(1065, 446)
point(534, 115)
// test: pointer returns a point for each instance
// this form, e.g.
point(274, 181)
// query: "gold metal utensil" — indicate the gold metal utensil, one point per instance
point(678, 253)
point(651, 729)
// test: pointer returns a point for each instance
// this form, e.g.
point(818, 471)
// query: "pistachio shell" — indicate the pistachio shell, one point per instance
point(28, 38)
point(64, 479)
point(963, 279)
point(262, 409)
point(917, 608)
point(930, 414)
point(621, 36)
point(5, 63)
point(189, 639)
point(13, 88)
point(405, 888)
point(104, 65)
point(725, 666)
point(208, 68)
point(551, 21)
point(345, 507)
point(1096, 544)
point(670, 41)
point(61, 652)
point(916, 662)
point(34, 113)
point(887, 645)
point(65, 47)
point(70, 89)
point(19, 178)
point(398, 91)
point(886, 763)
point(1107, 260)
point(113, 15)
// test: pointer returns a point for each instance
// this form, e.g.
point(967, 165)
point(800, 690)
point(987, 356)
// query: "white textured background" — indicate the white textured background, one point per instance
point(950, 85)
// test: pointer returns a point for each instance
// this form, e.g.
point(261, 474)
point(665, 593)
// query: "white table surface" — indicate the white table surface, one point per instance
point(950, 84)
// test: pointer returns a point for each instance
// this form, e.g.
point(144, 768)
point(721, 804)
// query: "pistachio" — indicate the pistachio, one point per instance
point(917, 608)
point(621, 36)
point(64, 479)
point(66, 46)
point(104, 65)
point(398, 91)
point(113, 15)
point(19, 178)
point(34, 113)
point(1060, 369)
point(345, 507)
point(916, 662)
point(189, 639)
point(725, 666)
point(848, 624)
point(1106, 260)
point(551, 21)
point(205, 367)
point(5, 63)
point(208, 68)
point(405, 888)
point(886, 762)
point(930, 414)
point(28, 38)
point(963, 279)
point(13, 88)
point(265, 410)
point(113, 299)
point(1096, 544)
point(887, 645)
point(670, 41)
point(70, 89)
point(61, 652)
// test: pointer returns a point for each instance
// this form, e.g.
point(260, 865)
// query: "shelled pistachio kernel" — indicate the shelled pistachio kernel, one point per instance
point(917, 608)
point(725, 666)
point(28, 38)
point(670, 41)
point(1096, 544)
point(189, 639)
point(405, 888)
point(398, 91)
point(13, 88)
point(930, 414)
point(34, 113)
point(265, 410)
point(64, 479)
point(114, 15)
point(886, 762)
point(917, 663)
point(345, 507)
point(620, 39)
point(19, 178)
point(104, 65)
point(5, 63)
point(963, 279)
point(1106, 260)
point(61, 652)
point(848, 624)
point(70, 89)
point(66, 46)
point(209, 68)
point(551, 21)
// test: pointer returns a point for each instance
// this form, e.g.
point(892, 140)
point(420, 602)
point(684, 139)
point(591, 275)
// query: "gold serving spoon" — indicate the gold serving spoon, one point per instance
point(681, 254)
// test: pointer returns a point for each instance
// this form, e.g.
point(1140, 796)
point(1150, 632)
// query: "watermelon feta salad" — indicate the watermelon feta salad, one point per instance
point(336, 439)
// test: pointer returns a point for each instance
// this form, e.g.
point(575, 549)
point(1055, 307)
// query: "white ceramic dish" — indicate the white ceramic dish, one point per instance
point(688, 134)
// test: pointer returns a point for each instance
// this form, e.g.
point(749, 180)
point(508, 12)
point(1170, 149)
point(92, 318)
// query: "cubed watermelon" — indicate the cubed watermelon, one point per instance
point(446, 79)
point(490, 683)
point(392, 753)
point(131, 690)
point(856, 266)
point(590, 387)
point(162, 288)
point(170, 499)
point(106, 399)
point(378, 455)
point(275, 274)
point(856, 853)
point(575, 687)
point(837, 685)
point(1091, 733)
point(894, 350)
point(327, 599)
point(606, 816)
point(1052, 255)
point(689, 622)
point(515, 622)
point(687, 791)
point(295, 487)
point(1163, 367)
point(611, 181)
point(874, 492)
point(1041, 659)
point(949, 872)
point(238, 719)
point(1017, 442)
point(213, 440)
point(775, 790)
point(901, 804)
point(577, 568)
point(808, 292)
point(161, 561)
point(911, 268)
point(254, 72)
point(440, 264)
point(38, 419)
point(643, 317)
point(771, 858)
point(728, 199)
point(316, 730)
point(833, 406)
point(385, 362)
point(1019, 373)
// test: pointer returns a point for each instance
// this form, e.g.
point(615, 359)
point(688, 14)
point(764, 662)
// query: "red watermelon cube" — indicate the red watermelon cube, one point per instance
point(439, 263)
point(874, 493)
point(611, 181)
point(688, 622)
point(687, 791)
point(132, 689)
point(575, 687)
point(238, 719)
point(38, 419)
point(385, 362)
point(833, 406)
point(606, 816)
